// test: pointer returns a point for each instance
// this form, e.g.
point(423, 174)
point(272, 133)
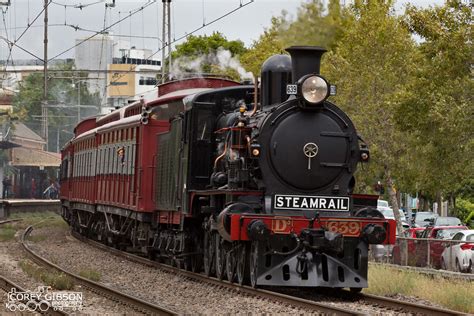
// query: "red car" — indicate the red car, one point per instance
point(414, 232)
point(418, 249)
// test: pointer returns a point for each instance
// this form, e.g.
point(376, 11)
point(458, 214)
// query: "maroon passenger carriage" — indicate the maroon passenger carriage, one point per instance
point(207, 178)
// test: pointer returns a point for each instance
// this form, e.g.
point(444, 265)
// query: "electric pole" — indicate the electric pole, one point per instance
point(166, 34)
point(44, 104)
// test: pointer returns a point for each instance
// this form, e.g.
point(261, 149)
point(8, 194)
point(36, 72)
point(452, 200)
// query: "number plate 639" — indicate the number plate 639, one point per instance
point(345, 228)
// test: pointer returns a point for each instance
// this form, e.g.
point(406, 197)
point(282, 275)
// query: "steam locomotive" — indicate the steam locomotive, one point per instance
point(252, 185)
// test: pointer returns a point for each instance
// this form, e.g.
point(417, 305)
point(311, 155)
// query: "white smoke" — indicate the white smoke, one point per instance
point(222, 58)
point(181, 67)
point(226, 60)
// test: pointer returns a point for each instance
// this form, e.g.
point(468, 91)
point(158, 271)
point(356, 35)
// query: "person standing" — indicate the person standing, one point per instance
point(7, 183)
point(33, 188)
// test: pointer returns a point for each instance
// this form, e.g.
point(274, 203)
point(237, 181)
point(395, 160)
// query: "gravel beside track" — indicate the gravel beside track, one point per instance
point(106, 291)
point(180, 293)
point(172, 291)
point(11, 254)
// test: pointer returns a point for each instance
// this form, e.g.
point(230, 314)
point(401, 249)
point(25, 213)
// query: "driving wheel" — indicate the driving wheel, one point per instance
point(241, 263)
point(208, 257)
point(230, 264)
point(220, 257)
point(253, 263)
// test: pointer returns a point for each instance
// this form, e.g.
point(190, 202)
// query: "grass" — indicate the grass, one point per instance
point(452, 294)
point(38, 219)
point(90, 274)
point(7, 233)
point(58, 281)
point(36, 238)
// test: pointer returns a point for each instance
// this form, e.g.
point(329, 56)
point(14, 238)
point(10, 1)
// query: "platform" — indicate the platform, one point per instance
point(11, 206)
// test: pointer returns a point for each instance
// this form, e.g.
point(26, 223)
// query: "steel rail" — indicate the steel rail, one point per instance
point(296, 301)
point(270, 295)
point(10, 221)
point(7, 285)
point(106, 291)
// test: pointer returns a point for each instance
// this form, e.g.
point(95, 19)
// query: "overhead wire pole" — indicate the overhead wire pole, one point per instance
point(169, 38)
point(44, 108)
point(166, 33)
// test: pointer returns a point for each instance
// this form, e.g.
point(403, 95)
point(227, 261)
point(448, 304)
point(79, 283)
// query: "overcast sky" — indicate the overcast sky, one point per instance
point(246, 23)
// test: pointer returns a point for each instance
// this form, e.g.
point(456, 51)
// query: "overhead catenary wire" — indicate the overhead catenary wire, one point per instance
point(12, 44)
point(242, 5)
point(103, 30)
point(10, 47)
point(78, 6)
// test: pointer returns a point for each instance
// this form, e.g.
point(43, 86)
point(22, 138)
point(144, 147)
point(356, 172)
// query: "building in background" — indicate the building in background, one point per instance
point(117, 71)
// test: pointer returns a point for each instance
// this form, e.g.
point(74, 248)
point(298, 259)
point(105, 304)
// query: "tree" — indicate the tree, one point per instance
point(437, 108)
point(208, 54)
point(314, 25)
point(62, 103)
point(371, 65)
point(268, 44)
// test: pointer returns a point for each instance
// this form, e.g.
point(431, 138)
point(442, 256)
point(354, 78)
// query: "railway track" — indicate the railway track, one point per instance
point(105, 291)
point(7, 221)
point(372, 300)
point(34, 305)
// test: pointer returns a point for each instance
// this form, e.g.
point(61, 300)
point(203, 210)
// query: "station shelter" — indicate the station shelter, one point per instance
point(29, 167)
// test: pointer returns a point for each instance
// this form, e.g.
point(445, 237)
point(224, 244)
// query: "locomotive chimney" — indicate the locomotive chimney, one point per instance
point(275, 74)
point(305, 60)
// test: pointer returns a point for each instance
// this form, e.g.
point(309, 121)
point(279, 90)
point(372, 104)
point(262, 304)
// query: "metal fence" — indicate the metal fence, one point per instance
point(428, 253)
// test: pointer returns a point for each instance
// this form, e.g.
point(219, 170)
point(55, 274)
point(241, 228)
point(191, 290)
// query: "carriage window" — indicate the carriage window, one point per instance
point(204, 125)
point(167, 111)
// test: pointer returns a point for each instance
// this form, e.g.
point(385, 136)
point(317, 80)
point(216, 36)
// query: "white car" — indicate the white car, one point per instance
point(459, 256)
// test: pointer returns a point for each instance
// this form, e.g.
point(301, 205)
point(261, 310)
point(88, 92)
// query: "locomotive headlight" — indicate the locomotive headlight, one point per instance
point(314, 89)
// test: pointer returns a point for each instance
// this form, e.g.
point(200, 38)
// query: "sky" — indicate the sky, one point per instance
point(246, 23)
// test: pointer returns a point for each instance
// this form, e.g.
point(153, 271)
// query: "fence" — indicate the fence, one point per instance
point(428, 253)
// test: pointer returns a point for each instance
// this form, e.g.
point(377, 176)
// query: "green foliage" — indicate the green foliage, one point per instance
point(90, 274)
point(314, 25)
point(464, 210)
point(453, 294)
point(38, 220)
point(7, 233)
point(436, 109)
point(267, 45)
point(371, 65)
point(61, 92)
point(58, 281)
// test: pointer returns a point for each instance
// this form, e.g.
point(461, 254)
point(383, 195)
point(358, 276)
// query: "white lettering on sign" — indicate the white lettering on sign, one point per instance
point(326, 203)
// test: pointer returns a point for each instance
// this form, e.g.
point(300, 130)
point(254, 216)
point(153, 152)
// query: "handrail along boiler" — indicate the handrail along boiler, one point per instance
point(207, 178)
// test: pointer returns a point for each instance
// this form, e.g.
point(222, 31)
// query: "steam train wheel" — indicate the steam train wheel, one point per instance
point(220, 258)
point(230, 264)
point(241, 263)
point(253, 263)
point(209, 249)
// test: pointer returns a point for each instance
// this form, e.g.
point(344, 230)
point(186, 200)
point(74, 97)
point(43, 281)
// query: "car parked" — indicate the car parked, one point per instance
point(413, 232)
point(436, 247)
point(384, 252)
point(417, 250)
point(389, 214)
point(447, 221)
point(423, 219)
point(459, 256)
